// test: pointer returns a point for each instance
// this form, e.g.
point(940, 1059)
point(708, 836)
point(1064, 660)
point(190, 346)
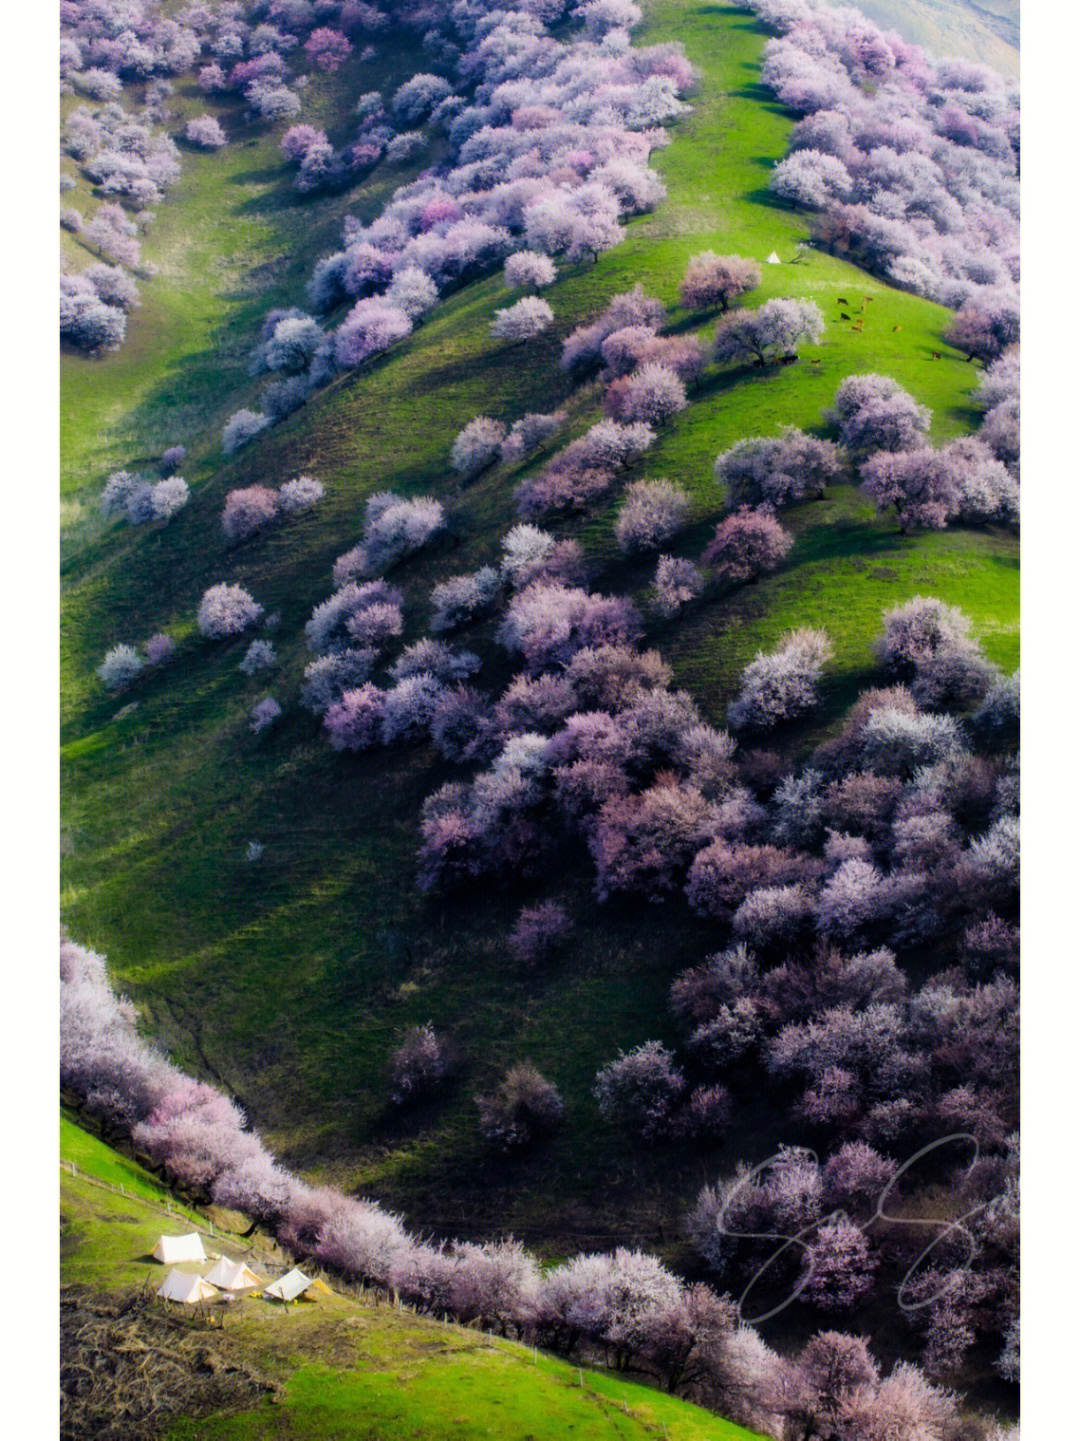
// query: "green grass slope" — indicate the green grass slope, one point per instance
point(292, 980)
point(343, 1367)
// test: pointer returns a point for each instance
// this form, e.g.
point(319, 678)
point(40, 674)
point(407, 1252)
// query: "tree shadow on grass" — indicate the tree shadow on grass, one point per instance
point(764, 196)
point(846, 540)
point(761, 96)
point(694, 320)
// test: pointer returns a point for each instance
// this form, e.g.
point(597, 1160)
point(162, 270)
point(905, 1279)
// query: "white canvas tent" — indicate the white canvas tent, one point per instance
point(233, 1276)
point(294, 1284)
point(188, 1289)
point(172, 1250)
point(773, 258)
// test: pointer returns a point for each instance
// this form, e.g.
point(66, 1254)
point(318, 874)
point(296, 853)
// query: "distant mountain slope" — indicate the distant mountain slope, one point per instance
point(986, 30)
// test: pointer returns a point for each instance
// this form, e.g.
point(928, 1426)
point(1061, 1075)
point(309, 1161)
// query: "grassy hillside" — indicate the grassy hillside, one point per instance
point(290, 981)
point(339, 1366)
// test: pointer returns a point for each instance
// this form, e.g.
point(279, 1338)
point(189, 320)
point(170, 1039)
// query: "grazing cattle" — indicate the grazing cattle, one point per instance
point(935, 355)
point(867, 298)
point(897, 327)
point(788, 359)
point(843, 301)
point(857, 329)
point(844, 315)
point(815, 362)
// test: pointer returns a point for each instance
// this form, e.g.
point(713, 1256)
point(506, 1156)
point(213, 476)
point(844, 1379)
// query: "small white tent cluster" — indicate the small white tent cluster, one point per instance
point(177, 1250)
point(772, 258)
point(232, 1277)
point(188, 1289)
point(229, 1276)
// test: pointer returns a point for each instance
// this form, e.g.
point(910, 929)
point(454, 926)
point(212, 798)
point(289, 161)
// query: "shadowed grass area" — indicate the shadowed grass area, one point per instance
point(291, 980)
point(346, 1367)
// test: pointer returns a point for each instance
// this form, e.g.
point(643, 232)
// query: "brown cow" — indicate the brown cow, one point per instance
point(935, 355)
point(897, 327)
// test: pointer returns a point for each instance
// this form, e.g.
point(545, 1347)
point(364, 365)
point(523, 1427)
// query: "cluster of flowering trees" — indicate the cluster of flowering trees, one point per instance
point(255, 52)
point(883, 431)
point(393, 528)
point(141, 501)
point(252, 508)
point(911, 163)
point(548, 144)
point(882, 427)
point(94, 302)
point(772, 333)
point(122, 152)
point(623, 1307)
point(897, 838)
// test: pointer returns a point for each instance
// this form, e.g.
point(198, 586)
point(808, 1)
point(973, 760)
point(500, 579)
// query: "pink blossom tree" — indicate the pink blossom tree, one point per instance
point(248, 511)
point(769, 334)
point(226, 610)
point(372, 326)
point(838, 1266)
point(987, 326)
point(747, 545)
point(419, 1068)
point(778, 470)
point(539, 932)
point(713, 281)
point(159, 648)
point(299, 139)
point(639, 1091)
point(353, 723)
point(205, 131)
point(264, 714)
point(811, 179)
point(782, 685)
point(643, 843)
point(523, 1108)
point(526, 267)
point(676, 583)
point(653, 512)
point(327, 49)
point(652, 395)
point(477, 446)
point(874, 414)
point(920, 486)
point(524, 320)
point(547, 624)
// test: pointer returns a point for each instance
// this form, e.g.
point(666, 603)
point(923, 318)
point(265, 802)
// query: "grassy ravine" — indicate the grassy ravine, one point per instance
point(290, 982)
point(346, 1368)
